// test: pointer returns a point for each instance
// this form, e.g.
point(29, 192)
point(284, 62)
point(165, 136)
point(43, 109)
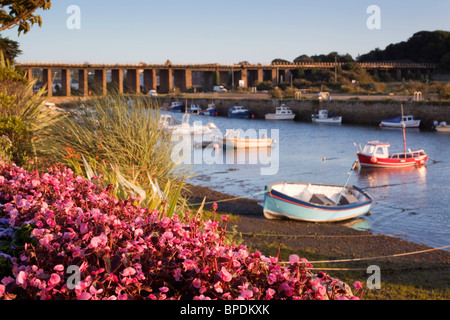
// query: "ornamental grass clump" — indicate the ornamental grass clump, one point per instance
point(24, 120)
point(85, 244)
point(120, 139)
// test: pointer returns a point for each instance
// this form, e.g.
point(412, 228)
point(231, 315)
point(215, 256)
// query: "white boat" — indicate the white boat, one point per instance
point(194, 108)
point(442, 127)
point(232, 139)
point(315, 202)
point(408, 121)
point(170, 124)
point(281, 113)
point(326, 117)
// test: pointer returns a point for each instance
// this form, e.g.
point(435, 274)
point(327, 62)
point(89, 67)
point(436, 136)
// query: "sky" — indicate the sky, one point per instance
point(225, 32)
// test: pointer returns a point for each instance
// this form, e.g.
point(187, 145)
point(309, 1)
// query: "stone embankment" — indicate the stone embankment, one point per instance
point(353, 111)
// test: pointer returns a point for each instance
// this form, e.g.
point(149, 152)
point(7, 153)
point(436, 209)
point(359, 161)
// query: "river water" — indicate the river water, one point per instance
point(412, 203)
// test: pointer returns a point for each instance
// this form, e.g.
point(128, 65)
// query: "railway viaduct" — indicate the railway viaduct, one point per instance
point(142, 77)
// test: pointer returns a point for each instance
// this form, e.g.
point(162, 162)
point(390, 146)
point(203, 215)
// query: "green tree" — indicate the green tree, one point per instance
point(10, 48)
point(21, 13)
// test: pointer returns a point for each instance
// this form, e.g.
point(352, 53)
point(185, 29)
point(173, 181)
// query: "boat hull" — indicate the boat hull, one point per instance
point(376, 162)
point(445, 129)
point(274, 116)
point(328, 120)
point(210, 112)
point(408, 124)
point(280, 205)
point(242, 115)
point(246, 143)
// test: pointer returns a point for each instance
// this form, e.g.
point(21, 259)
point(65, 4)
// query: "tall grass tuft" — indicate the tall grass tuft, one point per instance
point(120, 140)
point(24, 120)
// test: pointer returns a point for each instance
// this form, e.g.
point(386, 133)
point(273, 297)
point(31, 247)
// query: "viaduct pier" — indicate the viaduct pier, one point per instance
point(164, 78)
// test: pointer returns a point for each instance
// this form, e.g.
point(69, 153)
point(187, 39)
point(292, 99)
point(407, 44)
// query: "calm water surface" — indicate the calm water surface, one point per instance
point(412, 201)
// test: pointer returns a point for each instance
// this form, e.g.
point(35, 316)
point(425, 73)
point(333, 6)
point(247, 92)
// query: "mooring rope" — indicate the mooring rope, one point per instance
point(233, 198)
point(375, 258)
point(319, 236)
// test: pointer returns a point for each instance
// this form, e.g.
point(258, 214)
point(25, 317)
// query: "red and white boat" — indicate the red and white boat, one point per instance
point(376, 154)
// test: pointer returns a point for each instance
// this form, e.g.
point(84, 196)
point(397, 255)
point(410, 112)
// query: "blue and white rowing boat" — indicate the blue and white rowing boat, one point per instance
point(315, 202)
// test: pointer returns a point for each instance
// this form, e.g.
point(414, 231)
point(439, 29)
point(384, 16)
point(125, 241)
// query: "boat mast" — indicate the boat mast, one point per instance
point(404, 134)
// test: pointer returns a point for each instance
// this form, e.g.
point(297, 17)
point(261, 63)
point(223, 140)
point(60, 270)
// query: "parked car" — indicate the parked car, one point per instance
point(152, 93)
point(219, 89)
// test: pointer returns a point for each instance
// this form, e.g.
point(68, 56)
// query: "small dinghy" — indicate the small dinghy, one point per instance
point(315, 202)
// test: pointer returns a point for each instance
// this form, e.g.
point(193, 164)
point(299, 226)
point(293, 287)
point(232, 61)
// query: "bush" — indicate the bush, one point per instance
point(87, 245)
point(276, 93)
point(444, 92)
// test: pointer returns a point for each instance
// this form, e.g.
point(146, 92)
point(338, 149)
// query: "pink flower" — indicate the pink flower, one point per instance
point(218, 287)
point(214, 206)
point(59, 268)
point(272, 278)
point(128, 272)
point(269, 293)
point(247, 294)
point(84, 296)
point(225, 275)
point(22, 279)
point(189, 264)
point(197, 283)
point(357, 285)
point(98, 241)
point(165, 222)
point(164, 289)
point(293, 258)
point(54, 280)
point(287, 289)
point(177, 274)
point(138, 232)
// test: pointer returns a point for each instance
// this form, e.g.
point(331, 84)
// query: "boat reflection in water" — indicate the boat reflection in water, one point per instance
point(386, 177)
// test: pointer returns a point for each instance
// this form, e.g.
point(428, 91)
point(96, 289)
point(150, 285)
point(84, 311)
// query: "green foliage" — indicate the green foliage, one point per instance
point(13, 128)
point(331, 57)
point(444, 92)
point(14, 245)
point(423, 47)
point(23, 119)
point(21, 14)
point(276, 93)
point(10, 48)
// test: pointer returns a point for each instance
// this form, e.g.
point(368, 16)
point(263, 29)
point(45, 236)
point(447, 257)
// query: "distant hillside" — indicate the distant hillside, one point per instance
point(422, 47)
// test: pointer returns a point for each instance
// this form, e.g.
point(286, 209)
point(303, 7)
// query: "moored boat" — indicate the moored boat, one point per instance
point(315, 202)
point(232, 139)
point(326, 117)
point(376, 154)
point(209, 111)
point(170, 124)
point(408, 121)
point(176, 106)
point(238, 112)
point(194, 108)
point(442, 127)
point(281, 113)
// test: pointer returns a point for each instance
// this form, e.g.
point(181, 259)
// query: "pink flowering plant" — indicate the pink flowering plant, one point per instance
point(84, 244)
